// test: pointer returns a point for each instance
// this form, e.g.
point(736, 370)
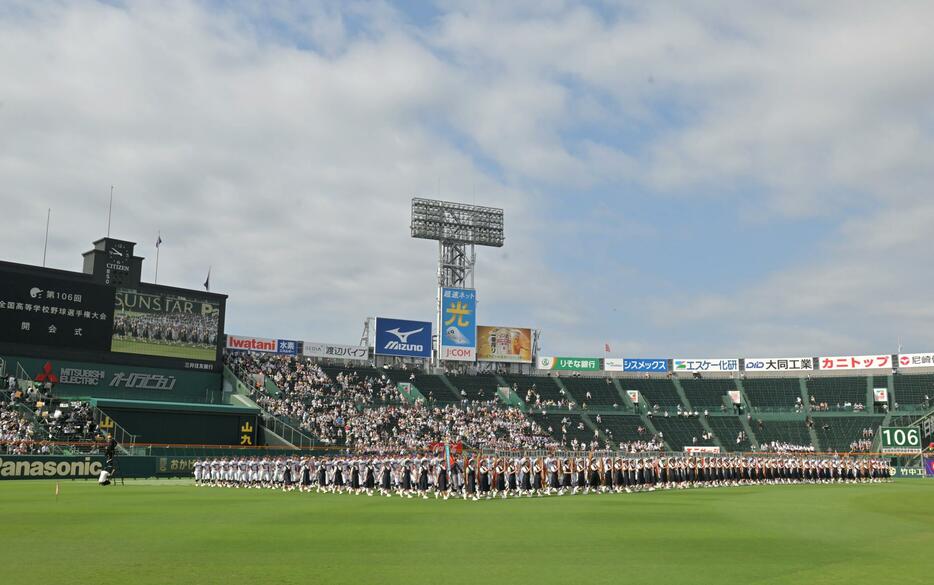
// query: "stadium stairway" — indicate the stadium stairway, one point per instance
point(753, 440)
point(744, 397)
point(282, 430)
point(567, 395)
point(726, 428)
point(593, 427)
point(647, 423)
point(624, 398)
point(436, 389)
point(511, 397)
point(716, 439)
point(680, 390)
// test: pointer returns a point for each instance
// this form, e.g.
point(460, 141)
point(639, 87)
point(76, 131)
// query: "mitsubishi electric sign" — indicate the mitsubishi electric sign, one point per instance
point(404, 338)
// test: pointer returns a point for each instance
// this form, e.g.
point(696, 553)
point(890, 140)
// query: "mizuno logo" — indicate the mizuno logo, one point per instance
point(404, 335)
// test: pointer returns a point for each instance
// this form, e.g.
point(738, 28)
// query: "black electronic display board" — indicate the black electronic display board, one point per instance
point(55, 312)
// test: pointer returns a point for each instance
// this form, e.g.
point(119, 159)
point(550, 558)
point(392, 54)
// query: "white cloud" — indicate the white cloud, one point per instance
point(282, 144)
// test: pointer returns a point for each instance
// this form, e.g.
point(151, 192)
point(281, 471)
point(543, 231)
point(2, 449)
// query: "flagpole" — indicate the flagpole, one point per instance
point(110, 209)
point(158, 245)
point(45, 247)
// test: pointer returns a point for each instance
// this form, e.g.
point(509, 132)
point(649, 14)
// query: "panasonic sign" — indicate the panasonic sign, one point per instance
point(38, 467)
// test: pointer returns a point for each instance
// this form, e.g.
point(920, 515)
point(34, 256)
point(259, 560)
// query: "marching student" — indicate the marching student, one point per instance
point(537, 471)
point(470, 483)
point(499, 478)
point(512, 476)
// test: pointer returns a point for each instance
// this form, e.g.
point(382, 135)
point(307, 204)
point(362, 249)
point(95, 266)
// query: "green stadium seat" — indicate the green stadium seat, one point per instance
point(772, 394)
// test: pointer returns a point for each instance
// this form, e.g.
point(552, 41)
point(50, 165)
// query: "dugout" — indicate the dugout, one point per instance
point(184, 423)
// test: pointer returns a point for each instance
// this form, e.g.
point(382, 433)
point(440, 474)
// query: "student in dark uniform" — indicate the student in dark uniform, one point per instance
point(369, 478)
point(355, 476)
point(385, 478)
point(470, 479)
point(512, 474)
point(485, 465)
point(552, 465)
point(580, 466)
point(566, 481)
point(525, 476)
point(423, 478)
point(323, 475)
point(406, 483)
point(594, 475)
point(499, 478)
point(441, 479)
point(608, 477)
point(287, 475)
point(537, 477)
point(305, 481)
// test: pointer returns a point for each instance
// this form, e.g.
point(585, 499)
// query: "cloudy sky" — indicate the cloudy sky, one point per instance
point(679, 179)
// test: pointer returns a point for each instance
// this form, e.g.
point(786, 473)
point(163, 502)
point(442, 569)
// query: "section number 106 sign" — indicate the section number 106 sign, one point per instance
point(900, 439)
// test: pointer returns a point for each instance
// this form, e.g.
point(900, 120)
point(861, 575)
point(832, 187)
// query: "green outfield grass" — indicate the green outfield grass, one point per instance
point(171, 532)
point(164, 350)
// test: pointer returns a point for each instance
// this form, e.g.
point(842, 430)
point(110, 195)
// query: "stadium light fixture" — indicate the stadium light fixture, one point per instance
point(458, 228)
point(457, 223)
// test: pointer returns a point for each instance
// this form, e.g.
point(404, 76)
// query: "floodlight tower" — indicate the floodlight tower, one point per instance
point(458, 228)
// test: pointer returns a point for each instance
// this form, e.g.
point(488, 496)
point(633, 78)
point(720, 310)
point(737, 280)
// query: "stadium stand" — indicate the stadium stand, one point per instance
point(788, 432)
point(434, 389)
point(728, 429)
point(565, 427)
point(914, 390)
point(537, 391)
point(592, 391)
point(477, 388)
point(679, 431)
point(367, 412)
point(768, 394)
point(707, 394)
point(836, 392)
point(658, 392)
point(626, 433)
point(838, 433)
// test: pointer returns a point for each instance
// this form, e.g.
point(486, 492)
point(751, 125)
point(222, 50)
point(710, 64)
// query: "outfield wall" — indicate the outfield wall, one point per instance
point(89, 467)
point(188, 424)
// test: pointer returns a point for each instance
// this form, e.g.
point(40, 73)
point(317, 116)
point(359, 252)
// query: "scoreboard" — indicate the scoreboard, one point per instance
point(38, 310)
point(900, 439)
point(106, 314)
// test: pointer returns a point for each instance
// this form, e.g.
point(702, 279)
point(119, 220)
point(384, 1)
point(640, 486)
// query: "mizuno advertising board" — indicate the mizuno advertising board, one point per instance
point(403, 338)
point(459, 324)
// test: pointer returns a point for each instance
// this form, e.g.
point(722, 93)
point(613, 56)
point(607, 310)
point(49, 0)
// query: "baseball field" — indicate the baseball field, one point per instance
point(174, 532)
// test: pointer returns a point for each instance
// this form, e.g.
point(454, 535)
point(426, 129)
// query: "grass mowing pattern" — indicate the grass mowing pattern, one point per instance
point(164, 349)
point(169, 532)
